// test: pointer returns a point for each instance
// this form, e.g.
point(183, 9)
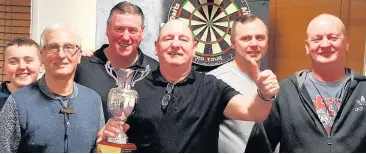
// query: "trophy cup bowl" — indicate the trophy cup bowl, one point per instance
point(121, 103)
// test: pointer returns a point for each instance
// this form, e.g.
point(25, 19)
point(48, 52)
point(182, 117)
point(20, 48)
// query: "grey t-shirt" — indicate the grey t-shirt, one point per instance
point(234, 134)
point(327, 97)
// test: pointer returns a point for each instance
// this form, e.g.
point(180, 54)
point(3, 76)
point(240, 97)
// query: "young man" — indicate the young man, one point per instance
point(322, 109)
point(249, 37)
point(125, 30)
point(54, 114)
point(179, 109)
point(21, 65)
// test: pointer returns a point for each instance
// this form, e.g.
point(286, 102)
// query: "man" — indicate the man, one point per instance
point(321, 110)
point(179, 110)
point(125, 30)
point(54, 114)
point(21, 65)
point(249, 38)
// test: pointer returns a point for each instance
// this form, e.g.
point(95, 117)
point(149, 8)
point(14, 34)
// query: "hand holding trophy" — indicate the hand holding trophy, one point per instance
point(121, 103)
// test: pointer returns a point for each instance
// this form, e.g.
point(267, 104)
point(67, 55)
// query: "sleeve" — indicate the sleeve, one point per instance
point(102, 120)
point(266, 136)
point(10, 134)
point(227, 93)
point(101, 124)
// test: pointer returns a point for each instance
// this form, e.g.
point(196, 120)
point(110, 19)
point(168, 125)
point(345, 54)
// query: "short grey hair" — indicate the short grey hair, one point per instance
point(55, 27)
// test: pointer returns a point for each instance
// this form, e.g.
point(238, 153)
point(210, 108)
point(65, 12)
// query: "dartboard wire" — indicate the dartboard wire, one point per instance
point(192, 22)
point(215, 46)
point(227, 24)
point(227, 11)
point(188, 6)
point(200, 49)
point(224, 35)
point(215, 8)
point(198, 30)
point(205, 8)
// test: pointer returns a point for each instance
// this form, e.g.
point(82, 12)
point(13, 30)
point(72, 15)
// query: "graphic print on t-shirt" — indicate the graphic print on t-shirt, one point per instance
point(327, 109)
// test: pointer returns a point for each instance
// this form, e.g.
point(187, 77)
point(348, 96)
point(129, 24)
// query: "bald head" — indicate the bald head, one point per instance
point(325, 20)
point(175, 26)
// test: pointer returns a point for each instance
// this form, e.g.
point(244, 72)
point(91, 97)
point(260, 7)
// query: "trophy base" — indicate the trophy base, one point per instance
point(108, 147)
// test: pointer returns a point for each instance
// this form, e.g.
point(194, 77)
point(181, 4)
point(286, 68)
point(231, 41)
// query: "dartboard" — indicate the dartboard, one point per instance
point(211, 22)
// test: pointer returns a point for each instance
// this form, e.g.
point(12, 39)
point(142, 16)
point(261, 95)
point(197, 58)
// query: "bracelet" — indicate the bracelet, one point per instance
point(264, 98)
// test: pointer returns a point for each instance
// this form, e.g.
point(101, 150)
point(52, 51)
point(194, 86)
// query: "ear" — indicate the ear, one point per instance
point(41, 69)
point(79, 57)
point(307, 47)
point(195, 44)
point(142, 32)
point(232, 43)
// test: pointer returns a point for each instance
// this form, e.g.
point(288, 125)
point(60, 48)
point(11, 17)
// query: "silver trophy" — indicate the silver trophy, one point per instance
point(122, 99)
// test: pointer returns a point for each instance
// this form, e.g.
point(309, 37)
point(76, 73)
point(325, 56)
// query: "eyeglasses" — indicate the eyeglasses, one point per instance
point(167, 97)
point(68, 48)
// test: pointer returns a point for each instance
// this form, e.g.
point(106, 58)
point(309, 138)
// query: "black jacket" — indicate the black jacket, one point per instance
point(294, 123)
point(4, 93)
point(91, 73)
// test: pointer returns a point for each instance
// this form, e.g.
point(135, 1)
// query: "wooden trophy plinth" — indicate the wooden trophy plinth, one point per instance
point(108, 147)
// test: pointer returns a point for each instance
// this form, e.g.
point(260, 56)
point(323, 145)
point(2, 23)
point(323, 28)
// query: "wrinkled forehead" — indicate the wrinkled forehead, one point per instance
point(325, 26)
point(175, 28)
point(61, 36)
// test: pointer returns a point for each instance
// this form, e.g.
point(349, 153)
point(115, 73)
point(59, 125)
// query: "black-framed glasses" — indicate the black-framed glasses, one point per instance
point(168, 96)
point(68, 48)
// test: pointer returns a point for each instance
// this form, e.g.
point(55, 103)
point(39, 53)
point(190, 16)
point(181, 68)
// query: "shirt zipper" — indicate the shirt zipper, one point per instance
point(67, 127)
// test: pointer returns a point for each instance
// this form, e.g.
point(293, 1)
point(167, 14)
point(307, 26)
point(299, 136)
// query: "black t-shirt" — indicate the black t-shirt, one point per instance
point(91, 73)
point(191, 120)
point(4, 93)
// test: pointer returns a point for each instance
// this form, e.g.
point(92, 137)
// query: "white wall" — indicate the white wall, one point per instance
point(80, 14)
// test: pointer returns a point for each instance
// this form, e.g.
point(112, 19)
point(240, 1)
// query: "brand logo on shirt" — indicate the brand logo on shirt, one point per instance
point(361, 102)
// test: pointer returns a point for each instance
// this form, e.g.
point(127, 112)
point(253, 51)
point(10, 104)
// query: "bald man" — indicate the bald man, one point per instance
point(179, 109)
point(318, 110)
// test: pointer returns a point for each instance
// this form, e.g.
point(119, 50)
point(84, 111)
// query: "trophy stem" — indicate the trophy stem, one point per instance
point(121, 138)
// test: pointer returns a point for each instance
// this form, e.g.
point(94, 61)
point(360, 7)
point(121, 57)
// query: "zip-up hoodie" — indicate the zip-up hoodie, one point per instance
point(294, 123)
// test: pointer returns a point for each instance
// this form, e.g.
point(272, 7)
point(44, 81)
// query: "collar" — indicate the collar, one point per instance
point(155, 75)
point(100, 57)
point(44, 89)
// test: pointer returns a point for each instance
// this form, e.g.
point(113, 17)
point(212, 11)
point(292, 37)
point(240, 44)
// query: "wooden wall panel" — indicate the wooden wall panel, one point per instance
point(356, 29)
point(288, 23)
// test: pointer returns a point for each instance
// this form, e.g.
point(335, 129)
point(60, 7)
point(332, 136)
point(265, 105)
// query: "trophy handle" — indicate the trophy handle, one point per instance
point(144, 73)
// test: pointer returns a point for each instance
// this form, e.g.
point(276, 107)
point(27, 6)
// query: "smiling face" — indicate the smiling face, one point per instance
point(250, 40)
point(175, 45)
point(61, 53)
point(326, 42)
point(125, 32)
point(22, 64)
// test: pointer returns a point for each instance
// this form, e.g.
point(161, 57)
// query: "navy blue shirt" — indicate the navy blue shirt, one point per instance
point(4, 93)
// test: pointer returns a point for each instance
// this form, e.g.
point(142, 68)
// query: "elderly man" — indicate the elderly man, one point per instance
point(21, 65)
point(125, 30)
point(54, 114)
point(321, 110)
point(180, 110)
point(249, 38)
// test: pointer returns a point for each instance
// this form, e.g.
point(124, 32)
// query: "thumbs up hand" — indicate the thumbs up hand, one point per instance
point(266, 81)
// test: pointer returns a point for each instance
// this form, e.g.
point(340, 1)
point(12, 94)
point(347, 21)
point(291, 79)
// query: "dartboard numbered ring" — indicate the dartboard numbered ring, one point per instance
point(211, 22)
